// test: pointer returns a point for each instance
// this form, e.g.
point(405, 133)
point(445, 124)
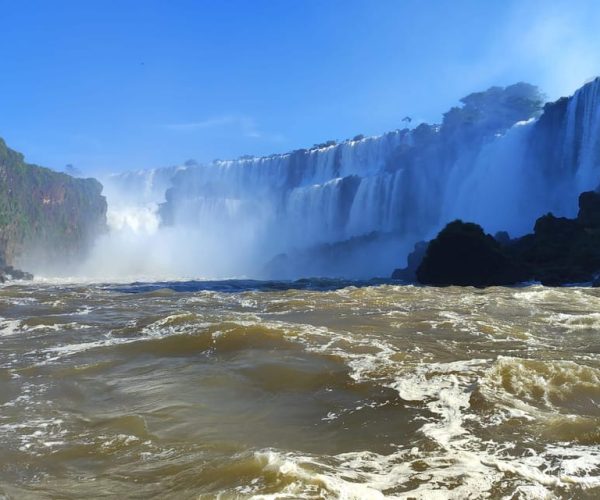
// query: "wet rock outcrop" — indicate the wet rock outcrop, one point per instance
point(562, 250)
point(462, 254)
point(9, 273)
point(414, 259)
point(559, 251)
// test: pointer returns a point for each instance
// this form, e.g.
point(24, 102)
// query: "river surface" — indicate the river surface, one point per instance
point(311, 389)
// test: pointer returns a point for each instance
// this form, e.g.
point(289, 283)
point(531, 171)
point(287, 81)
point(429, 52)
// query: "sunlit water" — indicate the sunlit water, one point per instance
point(308, 390)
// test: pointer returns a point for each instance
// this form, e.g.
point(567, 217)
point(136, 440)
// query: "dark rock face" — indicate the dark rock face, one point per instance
point(409, 273)
point(10, 273)
point(462, 254)
point(549, 251)
point(45, 216)
point(564, 250)
point(589, 210)
point(502, 237)
point(560, 251)
point(332, 259)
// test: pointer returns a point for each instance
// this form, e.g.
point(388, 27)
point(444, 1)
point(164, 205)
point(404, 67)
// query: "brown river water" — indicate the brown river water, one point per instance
point(245, 390)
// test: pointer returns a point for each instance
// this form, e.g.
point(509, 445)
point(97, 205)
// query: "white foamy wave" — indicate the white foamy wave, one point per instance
point(37, 435)
point(543, 385)
point(463, 465)
point(577, 321)
point(9, 327)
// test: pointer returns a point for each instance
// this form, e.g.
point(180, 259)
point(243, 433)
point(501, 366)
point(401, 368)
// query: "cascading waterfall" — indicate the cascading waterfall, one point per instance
point(357, 207)
point(583, 131)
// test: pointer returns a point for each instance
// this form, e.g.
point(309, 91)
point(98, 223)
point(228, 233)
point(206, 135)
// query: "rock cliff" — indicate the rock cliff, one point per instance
point(560, 251)
point(47, 218)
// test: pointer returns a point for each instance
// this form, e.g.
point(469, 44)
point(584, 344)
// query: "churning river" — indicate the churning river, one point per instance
point(311, 389)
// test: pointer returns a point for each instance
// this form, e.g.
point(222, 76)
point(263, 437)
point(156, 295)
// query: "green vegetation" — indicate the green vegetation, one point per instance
point(46, 214)
point(322, 145)
point(497, 108)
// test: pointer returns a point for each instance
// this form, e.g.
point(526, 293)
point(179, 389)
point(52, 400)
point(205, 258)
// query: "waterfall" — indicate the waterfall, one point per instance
point(357, 207)
point(583, 132)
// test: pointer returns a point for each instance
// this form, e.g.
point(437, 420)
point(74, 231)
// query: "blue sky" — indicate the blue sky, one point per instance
point(116, 85)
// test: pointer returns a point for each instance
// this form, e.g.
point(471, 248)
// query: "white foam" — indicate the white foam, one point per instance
point(574, 322)
point(446, 388)
point(9, 327)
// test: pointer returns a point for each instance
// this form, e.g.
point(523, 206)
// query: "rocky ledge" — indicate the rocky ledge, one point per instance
point(9, 273)
point(560, 251)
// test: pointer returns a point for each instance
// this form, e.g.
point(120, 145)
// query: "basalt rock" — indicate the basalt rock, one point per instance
point(462, 254)
point(409, 273)
point(8, 273)
point(589, 210)
point(560, 251)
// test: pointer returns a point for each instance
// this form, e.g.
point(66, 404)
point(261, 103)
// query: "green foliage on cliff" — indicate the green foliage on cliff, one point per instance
point(45, 214)
point(495, 110)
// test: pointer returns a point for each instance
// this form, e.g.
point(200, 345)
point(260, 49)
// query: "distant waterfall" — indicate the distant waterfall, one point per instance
point(499, 160)
point(582, 136)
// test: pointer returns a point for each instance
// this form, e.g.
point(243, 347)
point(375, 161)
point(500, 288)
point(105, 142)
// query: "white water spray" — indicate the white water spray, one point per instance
point(356, 208)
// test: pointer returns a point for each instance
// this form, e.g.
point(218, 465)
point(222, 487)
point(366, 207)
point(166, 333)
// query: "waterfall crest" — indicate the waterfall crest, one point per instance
point(355, 208)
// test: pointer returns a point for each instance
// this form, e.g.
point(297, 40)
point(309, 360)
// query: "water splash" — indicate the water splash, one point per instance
point(357, 207)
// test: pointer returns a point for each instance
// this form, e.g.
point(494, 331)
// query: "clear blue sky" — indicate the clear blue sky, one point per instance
point(115, 85)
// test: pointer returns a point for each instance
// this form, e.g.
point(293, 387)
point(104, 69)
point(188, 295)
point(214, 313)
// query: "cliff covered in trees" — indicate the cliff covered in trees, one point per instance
point(47, 218)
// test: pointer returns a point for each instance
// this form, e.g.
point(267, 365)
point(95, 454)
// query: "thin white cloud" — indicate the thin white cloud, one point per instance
point(219, 121)
point(244, 125)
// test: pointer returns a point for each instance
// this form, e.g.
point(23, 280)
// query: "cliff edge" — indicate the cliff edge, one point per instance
point(47, 218)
